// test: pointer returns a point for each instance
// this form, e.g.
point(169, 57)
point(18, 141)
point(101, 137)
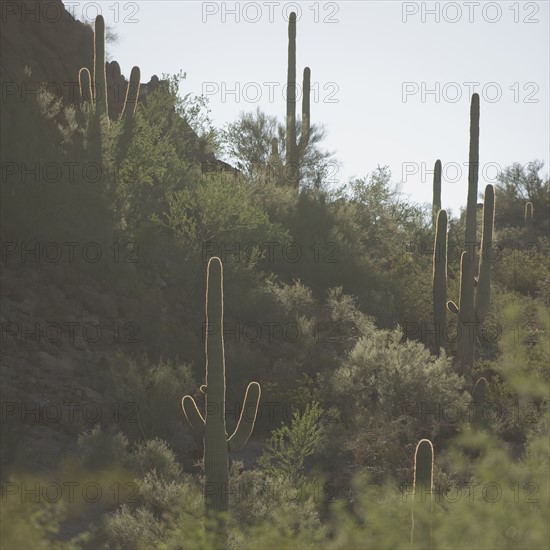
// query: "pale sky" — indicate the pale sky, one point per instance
point(374, 64)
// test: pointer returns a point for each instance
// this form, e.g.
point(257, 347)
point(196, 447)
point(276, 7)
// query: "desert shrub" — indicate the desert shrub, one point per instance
point(155, 456)
point(521, 269)
point(391, 393)
point(100, 449)
point(289, 445)
point(153, 390)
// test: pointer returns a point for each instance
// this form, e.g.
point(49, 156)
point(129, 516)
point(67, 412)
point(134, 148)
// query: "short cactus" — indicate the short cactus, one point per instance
point(212, 425)
point(423, 484)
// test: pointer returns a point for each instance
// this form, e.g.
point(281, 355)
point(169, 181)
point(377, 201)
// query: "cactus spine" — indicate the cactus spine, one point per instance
point(436, 204)
point(440, 280)
point(294, 148)
point(212, 425)
point(422, 494)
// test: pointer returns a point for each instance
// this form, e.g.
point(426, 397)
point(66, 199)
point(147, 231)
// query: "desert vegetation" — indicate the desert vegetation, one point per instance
point(305, 366)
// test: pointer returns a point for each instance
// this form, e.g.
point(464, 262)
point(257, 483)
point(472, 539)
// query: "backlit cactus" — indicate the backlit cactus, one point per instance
point(474, 304)
point(93, 88)
point(294, 148)
point(211, 426)
point(440, 280)
point(423, 485)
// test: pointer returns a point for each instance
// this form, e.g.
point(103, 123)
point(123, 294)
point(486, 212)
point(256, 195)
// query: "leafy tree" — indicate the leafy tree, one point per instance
point(247, 144)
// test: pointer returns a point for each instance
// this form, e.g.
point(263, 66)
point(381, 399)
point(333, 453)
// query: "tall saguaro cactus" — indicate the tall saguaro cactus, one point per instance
point(440, 280)
point(423, 482)
point(294, 147)
point(93, 90)
point(471, 310)
point(212, 425)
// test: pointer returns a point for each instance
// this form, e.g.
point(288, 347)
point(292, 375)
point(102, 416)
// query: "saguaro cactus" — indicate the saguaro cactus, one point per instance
point(94, 89)
point(212, 425)
point(294, 148)
point(423, 491)
point(440, 280)
point(468, 314)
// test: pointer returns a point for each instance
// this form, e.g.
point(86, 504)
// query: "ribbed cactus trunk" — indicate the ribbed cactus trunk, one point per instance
point(421, 528)
point(215, 437)
point(440, 281)
point(466, 339)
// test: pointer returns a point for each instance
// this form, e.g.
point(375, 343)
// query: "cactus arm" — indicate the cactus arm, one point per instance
point(306, 92)
point(192, 414)
point(245, 426)
point(483, 292)
point(440, 278)
point(452, 307)
point(85, 84)
point(132, 93)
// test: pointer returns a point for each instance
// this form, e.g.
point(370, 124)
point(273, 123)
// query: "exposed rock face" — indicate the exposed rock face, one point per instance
point(42, 375)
